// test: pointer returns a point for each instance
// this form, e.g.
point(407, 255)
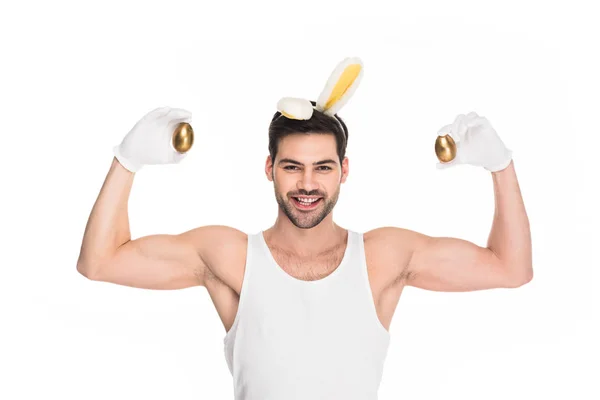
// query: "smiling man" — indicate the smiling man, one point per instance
point(306, 304)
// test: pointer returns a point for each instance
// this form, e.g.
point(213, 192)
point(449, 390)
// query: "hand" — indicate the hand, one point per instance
point(477, 143)
point(150, 140)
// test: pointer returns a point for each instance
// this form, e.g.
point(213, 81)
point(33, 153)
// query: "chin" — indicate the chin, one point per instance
point(308, 220)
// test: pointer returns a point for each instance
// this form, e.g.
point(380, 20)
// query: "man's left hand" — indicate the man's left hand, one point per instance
point(477, 143)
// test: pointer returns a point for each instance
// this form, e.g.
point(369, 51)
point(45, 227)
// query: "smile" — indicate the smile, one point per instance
point(306, 203)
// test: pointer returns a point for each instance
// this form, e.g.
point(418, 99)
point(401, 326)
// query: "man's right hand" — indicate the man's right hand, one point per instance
point(150, 140)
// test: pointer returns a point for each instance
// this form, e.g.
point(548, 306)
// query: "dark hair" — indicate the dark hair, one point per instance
point(319, 123)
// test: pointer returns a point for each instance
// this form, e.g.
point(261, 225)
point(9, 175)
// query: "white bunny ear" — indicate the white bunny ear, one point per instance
point(294, 108)
point(340, 86)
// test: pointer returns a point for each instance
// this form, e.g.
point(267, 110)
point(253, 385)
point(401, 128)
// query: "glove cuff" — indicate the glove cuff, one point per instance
point(502, 165)
point(127, 164)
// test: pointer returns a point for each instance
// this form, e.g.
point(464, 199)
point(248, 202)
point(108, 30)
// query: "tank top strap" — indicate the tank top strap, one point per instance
point(251, 268)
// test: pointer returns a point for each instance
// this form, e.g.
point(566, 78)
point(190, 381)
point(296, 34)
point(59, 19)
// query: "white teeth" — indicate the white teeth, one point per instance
point(305, 200)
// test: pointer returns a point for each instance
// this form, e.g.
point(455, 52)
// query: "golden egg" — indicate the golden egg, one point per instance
point(445, 148)
point(183, 137)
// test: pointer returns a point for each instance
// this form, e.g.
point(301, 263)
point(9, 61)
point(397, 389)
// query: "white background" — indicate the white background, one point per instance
point(75, 77)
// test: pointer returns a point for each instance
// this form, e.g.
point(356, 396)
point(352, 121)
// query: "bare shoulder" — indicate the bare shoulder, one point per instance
point(222, 250)
point(389, 250)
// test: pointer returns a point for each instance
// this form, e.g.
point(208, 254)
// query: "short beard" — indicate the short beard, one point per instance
point(306, 221)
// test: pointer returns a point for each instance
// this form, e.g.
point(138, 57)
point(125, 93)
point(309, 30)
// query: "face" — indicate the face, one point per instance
point(307, 177)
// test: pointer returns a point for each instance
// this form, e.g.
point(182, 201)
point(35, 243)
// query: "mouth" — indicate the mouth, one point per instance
point(307, 203)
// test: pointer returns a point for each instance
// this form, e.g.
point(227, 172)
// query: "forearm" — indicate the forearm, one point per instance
point(510, 236)
point(108, 224)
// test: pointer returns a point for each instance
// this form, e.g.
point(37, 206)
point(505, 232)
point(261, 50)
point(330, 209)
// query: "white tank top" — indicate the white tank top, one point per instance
point(294, 339)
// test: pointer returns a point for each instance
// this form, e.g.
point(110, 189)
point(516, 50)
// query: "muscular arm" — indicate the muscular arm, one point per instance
point(510, 237)
point(156, 262)
point(451, 264)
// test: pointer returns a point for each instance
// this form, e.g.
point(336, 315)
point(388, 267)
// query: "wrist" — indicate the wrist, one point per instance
point(125, 162)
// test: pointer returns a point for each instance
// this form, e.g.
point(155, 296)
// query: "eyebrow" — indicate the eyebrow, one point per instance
point(290, 161)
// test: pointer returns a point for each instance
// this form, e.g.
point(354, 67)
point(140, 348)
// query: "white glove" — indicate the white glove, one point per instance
point(477, 143)
point(150, 140)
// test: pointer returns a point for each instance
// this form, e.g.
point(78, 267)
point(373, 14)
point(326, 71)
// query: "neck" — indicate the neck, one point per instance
point(301, 241)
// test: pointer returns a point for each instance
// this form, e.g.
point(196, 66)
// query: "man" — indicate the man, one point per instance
point(306, 304)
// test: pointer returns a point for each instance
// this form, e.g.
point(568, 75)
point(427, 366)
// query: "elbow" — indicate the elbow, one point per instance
point(88, 270)
point(521, 278)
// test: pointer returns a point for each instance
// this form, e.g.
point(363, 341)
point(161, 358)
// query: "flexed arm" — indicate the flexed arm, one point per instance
point(107, 251)
point(452, 264)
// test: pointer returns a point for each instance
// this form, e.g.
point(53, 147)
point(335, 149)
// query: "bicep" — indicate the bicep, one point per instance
point(454, 265)
point(162, 261)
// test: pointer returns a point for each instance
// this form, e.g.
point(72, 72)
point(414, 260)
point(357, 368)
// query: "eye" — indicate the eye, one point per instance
point(321, 168)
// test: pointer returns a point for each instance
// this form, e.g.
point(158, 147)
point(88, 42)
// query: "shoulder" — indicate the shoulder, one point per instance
point(389, 250)
point(392, 236)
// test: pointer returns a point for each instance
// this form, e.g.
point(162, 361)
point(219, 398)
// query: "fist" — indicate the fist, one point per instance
point(477, 143)
point(150, 140)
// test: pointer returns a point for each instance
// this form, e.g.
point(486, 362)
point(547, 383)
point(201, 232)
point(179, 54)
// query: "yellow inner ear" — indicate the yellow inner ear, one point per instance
point(287, 115)
point(343, 84)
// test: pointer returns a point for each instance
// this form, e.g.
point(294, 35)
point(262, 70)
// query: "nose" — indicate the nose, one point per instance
point(307, 181)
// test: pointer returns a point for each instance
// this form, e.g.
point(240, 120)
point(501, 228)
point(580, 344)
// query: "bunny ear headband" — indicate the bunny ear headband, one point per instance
point(340, 86)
